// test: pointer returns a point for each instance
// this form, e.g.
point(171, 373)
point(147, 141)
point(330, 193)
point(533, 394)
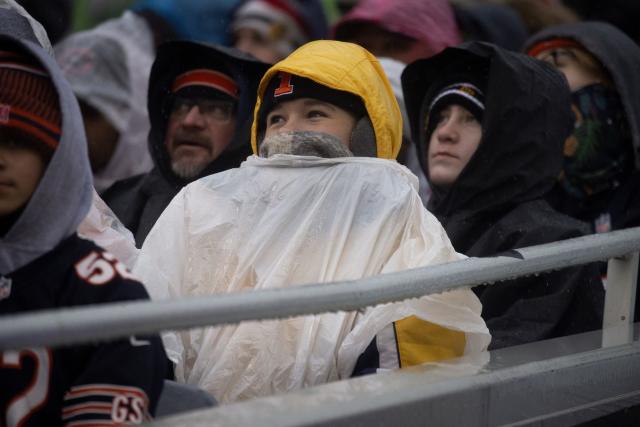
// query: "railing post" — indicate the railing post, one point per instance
point(620, 298)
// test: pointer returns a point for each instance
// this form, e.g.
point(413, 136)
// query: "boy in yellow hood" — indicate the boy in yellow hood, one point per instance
point(353, 101)
point(324, 202)
point(299, 116)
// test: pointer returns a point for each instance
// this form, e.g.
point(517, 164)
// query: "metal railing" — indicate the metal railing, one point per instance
point(93, 323)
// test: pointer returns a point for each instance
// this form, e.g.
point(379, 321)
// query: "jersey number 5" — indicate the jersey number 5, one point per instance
point(35, 395)
point(100, 268)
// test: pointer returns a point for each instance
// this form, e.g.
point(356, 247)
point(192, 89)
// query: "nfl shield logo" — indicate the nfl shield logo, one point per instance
point(5, 287)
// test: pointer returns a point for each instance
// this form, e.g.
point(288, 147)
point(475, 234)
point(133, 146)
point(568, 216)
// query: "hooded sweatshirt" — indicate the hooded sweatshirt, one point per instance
point(18, 23)
point(620, 57)
point(288, 220)
point(45, 265)
point(496, 204)
point(140, 200)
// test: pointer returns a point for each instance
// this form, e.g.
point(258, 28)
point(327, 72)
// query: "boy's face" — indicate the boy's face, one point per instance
point(453, 142)
point(21, 168)
point(312, 115)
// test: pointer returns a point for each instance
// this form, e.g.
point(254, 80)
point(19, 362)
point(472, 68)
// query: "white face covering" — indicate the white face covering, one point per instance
point(304, 144)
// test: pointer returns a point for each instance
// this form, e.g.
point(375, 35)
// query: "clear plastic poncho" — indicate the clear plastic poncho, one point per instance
point(108, 68)
point(286, 221)
point(103, 227)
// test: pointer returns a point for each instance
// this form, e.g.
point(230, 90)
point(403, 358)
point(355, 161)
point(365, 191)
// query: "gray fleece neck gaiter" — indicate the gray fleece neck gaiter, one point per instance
point(304, 144)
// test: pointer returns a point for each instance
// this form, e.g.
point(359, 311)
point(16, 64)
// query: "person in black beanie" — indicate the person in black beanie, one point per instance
point(490, 135)
point(454, 113)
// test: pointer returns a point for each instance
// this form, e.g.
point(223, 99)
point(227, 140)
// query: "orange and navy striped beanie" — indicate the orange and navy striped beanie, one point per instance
point(28, 99)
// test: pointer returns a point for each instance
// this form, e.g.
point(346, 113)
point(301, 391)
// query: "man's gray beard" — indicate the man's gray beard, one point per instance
point(187, 169)
point(304, 144)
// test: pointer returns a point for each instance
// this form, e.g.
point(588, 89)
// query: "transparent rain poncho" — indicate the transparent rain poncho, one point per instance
point(108, 68)
point(103, 227)
point(288, 221)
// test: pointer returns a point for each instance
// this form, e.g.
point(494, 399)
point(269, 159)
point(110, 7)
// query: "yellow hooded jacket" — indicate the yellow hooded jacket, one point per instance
point(350, 68)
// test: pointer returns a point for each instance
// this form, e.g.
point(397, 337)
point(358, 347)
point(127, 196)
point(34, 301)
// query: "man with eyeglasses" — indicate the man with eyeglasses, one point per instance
point(200, 101)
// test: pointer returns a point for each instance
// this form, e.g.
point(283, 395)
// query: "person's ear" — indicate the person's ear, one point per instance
point(363, 139)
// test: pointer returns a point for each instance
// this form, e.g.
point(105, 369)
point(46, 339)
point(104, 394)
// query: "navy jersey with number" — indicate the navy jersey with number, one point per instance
point(111, 383)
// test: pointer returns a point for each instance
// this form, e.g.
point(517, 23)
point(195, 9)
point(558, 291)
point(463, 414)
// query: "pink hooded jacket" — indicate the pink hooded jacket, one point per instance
point(431, 22)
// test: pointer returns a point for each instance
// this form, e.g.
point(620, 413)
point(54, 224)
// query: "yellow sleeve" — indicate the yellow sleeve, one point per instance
point(419, 341)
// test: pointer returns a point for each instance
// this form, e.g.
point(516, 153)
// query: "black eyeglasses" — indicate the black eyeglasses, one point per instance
point(218, 110)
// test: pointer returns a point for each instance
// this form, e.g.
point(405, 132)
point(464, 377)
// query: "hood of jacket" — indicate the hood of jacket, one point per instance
point(526, 121)
point(431, 22)
point(619, 55)
point(349, 68)
point(177, 57)
point(18, 23)
point(63, 197)
point(108, 68)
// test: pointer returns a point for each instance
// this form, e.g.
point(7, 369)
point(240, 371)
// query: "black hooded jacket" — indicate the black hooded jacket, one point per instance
point(497, 204)
point(620, 56)
point(138, 201)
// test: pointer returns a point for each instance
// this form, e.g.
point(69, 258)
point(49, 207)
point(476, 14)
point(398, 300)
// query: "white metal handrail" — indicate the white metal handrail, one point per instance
point(109, 321)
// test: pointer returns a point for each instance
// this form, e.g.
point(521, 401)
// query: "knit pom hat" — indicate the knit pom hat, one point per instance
point(287, 87)
point(28, 99)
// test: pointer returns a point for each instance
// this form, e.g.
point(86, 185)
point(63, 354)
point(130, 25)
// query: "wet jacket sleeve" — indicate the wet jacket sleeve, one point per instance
point(548, 305)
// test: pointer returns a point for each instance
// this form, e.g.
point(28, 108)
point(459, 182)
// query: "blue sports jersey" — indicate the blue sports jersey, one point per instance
point(112, 383)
